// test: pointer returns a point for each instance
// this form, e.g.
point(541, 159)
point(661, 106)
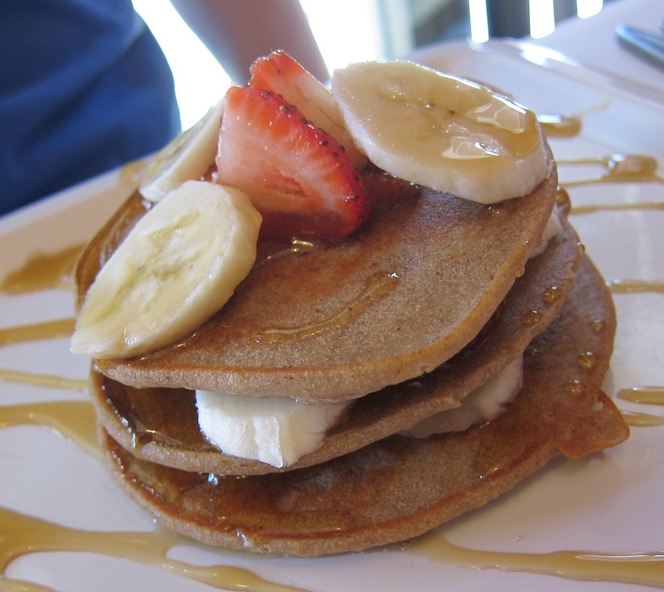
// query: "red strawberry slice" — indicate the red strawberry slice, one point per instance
point(296, 174)
point(284, 76)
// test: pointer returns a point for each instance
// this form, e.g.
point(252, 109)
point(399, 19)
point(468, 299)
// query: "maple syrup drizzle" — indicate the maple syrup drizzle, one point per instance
point(37, 331)
point(46, 380)
point(563, 199)
point(591, 208)
point(24, 535)
point(378, 287)
point(34, 332)
point(620, 286)
point(43, 271)
point(556, 125)
point(269, 252)
point(634, 568)
point(641, 420)
point(74, 420)
point(618, 168)
point(647, 395)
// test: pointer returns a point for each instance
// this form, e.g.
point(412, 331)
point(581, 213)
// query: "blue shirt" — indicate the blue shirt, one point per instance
point(84, 87)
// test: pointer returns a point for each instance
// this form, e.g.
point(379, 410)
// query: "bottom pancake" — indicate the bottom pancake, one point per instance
point(399, 487)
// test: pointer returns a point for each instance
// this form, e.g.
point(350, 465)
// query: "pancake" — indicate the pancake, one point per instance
point(395, 301)
point(399, 488)
point(161, 425)
point(428, 301)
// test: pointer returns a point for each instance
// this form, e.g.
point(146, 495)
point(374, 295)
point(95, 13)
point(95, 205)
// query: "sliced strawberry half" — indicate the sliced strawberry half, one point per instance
point(296, 174)
point(281, 74)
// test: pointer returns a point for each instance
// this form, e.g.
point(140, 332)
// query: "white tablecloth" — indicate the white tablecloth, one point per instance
point(592, 41)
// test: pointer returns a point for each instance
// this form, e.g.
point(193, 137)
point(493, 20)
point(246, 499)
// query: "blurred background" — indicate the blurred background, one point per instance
point(355, 30)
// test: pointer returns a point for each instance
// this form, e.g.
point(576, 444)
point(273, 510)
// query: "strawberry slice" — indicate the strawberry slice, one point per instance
point(284, 76)
point(296, 175)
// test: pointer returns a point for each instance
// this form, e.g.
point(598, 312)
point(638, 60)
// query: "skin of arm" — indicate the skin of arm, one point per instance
point(237, 32)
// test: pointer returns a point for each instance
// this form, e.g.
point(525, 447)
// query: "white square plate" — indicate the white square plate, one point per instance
point(608, 503)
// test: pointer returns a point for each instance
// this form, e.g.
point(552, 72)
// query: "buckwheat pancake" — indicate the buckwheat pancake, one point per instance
point(399, 488)
point(160, 424)
point(393, 302)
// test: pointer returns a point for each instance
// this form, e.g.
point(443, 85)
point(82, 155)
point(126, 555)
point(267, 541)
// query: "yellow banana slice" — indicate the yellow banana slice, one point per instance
point(188, 157)
point(274, 430)
point(178, 266)
point(441, 131)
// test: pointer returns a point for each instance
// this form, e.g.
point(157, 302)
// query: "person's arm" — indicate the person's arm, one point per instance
point(238, 31)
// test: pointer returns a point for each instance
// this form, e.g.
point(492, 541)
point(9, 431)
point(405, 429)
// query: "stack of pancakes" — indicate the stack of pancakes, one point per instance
point(434, 297)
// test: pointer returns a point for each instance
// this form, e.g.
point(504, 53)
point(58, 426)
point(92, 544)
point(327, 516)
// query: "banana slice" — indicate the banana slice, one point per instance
point(274, 430)
point(177, 267)
point(441, 131)
point(483, 404)
point(551, 230)
point(188, 157)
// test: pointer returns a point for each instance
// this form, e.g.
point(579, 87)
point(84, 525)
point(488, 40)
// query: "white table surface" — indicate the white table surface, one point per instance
point(592, 41)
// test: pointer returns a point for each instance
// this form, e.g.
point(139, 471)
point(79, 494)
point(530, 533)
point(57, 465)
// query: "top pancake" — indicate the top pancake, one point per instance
point(396, 300)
